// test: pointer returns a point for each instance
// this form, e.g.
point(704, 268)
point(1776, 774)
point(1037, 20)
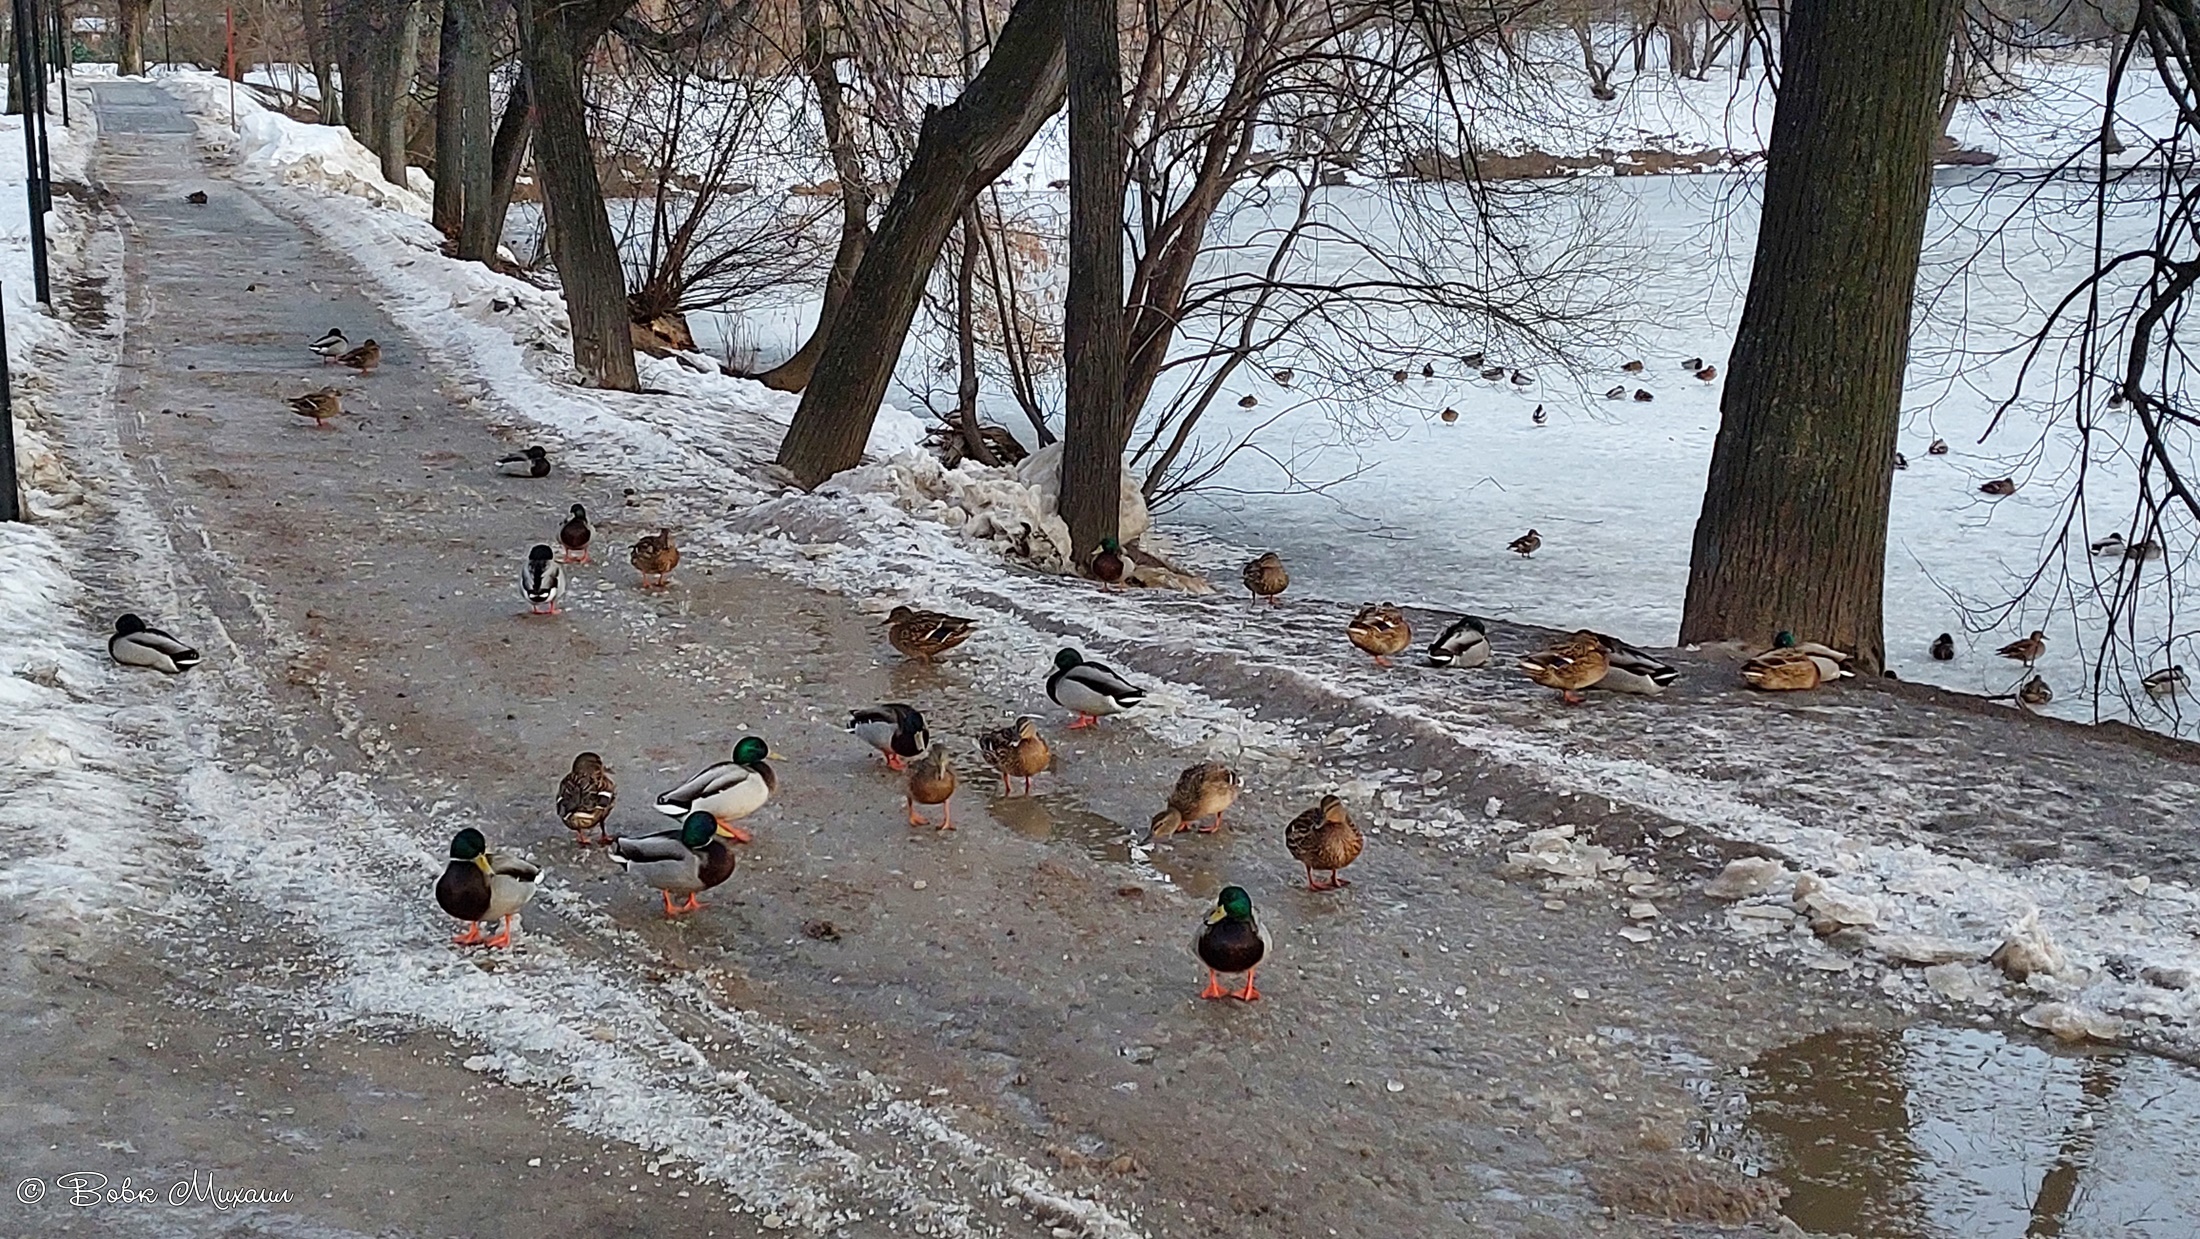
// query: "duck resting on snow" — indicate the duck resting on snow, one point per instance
point(1381, 629)
point(138, 644)
point(532, 463)
point(1465, 643)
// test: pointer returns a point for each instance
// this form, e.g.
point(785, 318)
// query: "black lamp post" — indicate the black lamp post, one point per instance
point(35, 185)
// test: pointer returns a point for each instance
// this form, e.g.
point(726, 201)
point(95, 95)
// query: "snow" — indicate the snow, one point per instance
point(881, 534)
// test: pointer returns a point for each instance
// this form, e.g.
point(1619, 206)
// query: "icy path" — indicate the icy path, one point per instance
point(998, 1036)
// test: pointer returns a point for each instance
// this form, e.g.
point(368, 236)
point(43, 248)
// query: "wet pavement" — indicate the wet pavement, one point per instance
point(1441, 1050)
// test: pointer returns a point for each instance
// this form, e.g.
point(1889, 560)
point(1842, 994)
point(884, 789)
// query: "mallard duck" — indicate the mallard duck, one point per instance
point(895, 730)
point(1473, 360)
point(319, 405)
point(1381, 629)
point(1283, 377)
point(1643, 397)
point(1901, 462)
point(137, 644)
point(1448, 416)
point(1397, 376)
point(1539, 416)
point(1526, 544)
point(654, 556)
point(1017, 749)
point(2035, 693)
point(1107, 565)
point(671, 861)
point(1231, 941)
point(1521, 378)
point(1632, 367)
point(2026, 651)
point(574, 534)
point(2111, 546)
point(1618, 392)
point(1938, 447)
point(1201, 791)
point(363, 359)
point(585, 797)
point(2143, 550)
point(1428, 369)
point(331, 344)
point(1491, 374)
point(1789, 670)
point(1693, 363)
point(1090, 689)
point(1324, 837)
point(1265, 577)
point(1999, 486)
point(477, 887)
point(931, 781)
point(728, 790)
point(926, 634)
point(542, 581)
point(1944, 647)
point(1465, 643)
point(196, 197)
point(1248, 401)
point(1631, 670)
point(1570, 666)
point(1708, 373)
point(532, 463)
point(2164, 683)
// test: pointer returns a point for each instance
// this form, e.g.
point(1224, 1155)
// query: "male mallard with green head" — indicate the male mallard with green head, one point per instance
point(138, 644)
point(1090, 689)
point(1108, 566)
point(895, 730)
point(728, 790)
point(673, 862)
point(478, 887)
point(1231, 941)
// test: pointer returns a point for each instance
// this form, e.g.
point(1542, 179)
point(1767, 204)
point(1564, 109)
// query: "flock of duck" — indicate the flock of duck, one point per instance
point(481, 887)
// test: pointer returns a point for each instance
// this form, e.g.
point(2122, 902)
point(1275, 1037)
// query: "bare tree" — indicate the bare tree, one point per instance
point(1794, 523)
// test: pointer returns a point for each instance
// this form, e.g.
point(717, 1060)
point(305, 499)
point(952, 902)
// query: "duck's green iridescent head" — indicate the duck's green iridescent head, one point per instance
point(468, 844)
point(1110, 545)
point(1067, 659)
point(751, 750)
point(1784, 640)
point(697, 828)
point(1233, 904)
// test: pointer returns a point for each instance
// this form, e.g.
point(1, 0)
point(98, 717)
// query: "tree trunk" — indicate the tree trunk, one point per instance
point(961, 149)
point(462, 191)
point(554, 41)
point(1793, 533)
point(966, 341)
point(507, 152)
point(1093, 429)
point(794, 373)
point(132, 16)
point(394, 106)
point(353, 45)
point(313, 16)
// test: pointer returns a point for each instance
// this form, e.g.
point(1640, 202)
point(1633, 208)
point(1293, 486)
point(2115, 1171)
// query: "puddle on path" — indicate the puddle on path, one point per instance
point(1934, 1132)
point(1058, 817)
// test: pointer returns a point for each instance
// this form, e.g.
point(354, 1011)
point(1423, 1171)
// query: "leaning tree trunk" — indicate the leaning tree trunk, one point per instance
point(1093, 425)
point(507, 151)
point(794, 373)
point(961, 149)
point(554, 40)
point(132, 16)
point(1793, 533)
